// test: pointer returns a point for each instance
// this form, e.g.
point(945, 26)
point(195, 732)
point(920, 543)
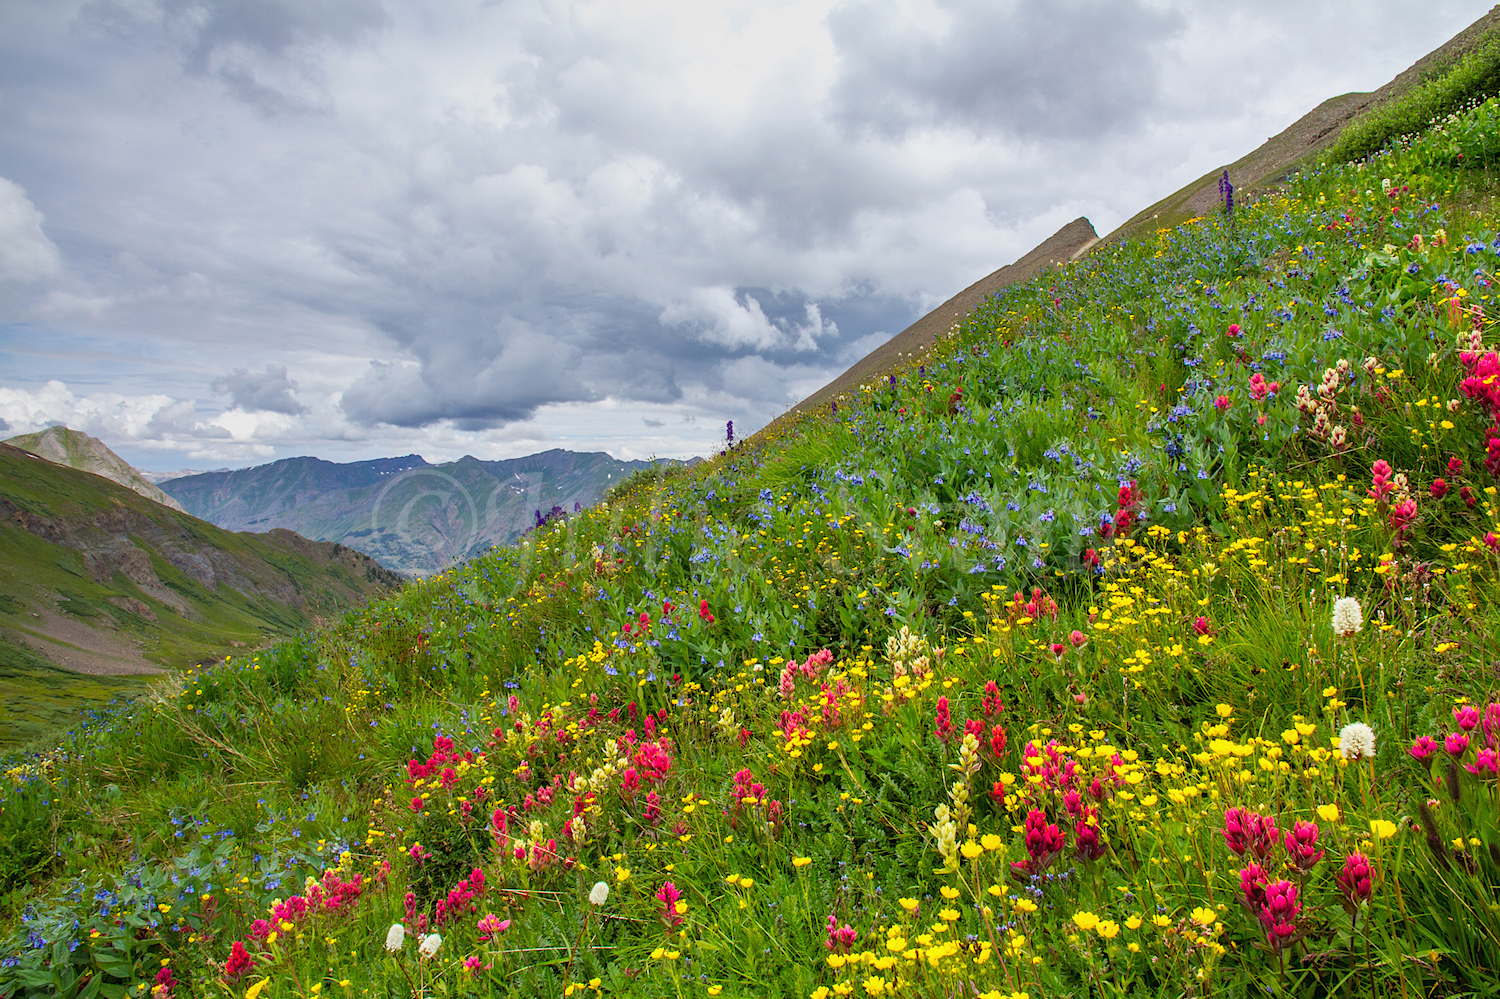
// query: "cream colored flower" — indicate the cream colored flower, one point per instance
point(1357, 741)
point(1347, 617)
point(395, 937)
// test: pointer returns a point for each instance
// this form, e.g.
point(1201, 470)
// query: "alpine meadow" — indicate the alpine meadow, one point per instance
point(1139, 638)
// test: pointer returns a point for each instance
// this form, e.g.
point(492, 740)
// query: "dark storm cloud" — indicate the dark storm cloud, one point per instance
point(1050, 69)
point(268, 391)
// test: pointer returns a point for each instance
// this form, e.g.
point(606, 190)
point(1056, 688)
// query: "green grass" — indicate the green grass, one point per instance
point(1468, 80)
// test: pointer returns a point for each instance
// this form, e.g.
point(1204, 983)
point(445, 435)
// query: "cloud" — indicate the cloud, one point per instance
point(26, 254)
point(1032, 69)
point(270, 391)
point(466, 383)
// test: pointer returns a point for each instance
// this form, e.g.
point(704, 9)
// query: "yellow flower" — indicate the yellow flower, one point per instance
point(801, 861)
point(1085, 920)
point(1382, 828)
point(255, 990)
point(949, 914)
point(971, 850)
point(949, 892)
point(1328, 813)
point(991, 842)
point(714, 990)
point(1204, 916)
point(821, 992)
point(1134, 922)
point(910, 904)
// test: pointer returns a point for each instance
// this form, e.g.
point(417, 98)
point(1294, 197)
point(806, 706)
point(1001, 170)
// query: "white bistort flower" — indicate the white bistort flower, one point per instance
point(1357, 741)
point(395, 937)
point(429, 945)
point(599, 893)
point(1347, 617)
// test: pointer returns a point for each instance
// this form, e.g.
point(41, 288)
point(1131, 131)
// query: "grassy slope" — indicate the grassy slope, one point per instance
point(1188, 665)
point(77, 509)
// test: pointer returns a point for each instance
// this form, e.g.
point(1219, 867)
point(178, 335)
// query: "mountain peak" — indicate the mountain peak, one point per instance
point(76, 449)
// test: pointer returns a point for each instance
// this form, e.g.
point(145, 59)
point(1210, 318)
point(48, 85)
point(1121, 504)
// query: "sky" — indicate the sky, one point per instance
point(234, 231)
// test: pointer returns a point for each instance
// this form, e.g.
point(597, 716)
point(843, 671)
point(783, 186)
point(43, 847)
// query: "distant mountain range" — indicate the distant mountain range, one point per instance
point(409, 515)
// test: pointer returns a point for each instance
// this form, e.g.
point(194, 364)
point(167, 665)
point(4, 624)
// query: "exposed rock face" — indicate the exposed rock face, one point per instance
point(75, 449)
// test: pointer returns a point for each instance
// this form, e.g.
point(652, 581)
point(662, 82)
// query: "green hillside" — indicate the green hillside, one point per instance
point(1140, 642)
point(105, 581)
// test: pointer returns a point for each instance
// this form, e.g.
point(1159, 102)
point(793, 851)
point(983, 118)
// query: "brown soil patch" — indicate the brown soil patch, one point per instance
point(77, 647)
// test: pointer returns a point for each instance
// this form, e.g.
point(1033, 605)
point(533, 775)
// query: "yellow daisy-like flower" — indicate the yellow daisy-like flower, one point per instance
point(971, 850)
point(1025, 905)
point(1382, 828)
point(950, 893)
point(910, 904)
point(1108, 929)
point(1085, 920)
point(1328, 813)
point(1204, 916)
point(949, 914)
point(991, 842)
point(801, 861)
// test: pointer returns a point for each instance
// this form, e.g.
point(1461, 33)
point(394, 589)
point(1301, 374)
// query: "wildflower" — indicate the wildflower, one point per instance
point(672, 905)
point(1279, 912)
point(1085, 920)
point(1402, 514)
point(1302, 845)
point(1348, 618)
point(492, 926)
point(1382, 828)
point(944, 722)
point(1245, 830)
point(1456, 744)
point(1221, 403)
point(1467, 717)
point(997, 741)
point(1077, 638)
point(1423, 750)
point(1253, 882)
point(1487, 762)
point(1204, 916)
point(1201, 625)
point(1044, 841)
point(840, 940)
point(1357, 741)
point(1354, 881)
point(599, 894)
point(395, 937)
point(990, 702)
point(1438, 489)
point(239, 962)
point(429, 945)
